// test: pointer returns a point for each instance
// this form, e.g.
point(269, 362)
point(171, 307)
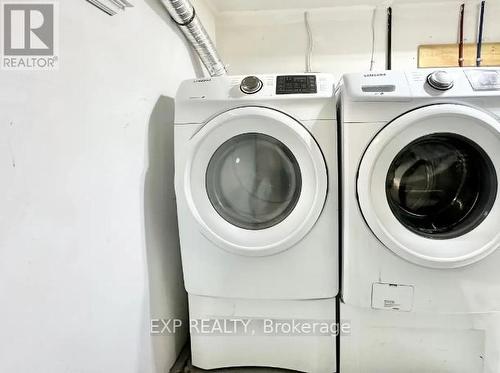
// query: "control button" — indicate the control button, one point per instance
point(251, 85)
point(440, 80)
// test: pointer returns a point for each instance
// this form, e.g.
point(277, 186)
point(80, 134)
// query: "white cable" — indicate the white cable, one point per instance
point(372, 61)
point(310, 42)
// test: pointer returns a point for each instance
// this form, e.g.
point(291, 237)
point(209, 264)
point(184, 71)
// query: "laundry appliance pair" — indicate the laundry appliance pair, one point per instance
point(257, 194)
point(421, 221)
point(257, 200)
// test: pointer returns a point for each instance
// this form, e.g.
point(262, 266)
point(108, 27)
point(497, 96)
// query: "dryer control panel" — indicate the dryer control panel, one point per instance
point(295, 84)
point(280, 86)
point(305, 96)
point(257, 87)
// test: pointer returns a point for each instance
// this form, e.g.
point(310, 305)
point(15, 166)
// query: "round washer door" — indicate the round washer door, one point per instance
point(256, 181)
point(427, 186)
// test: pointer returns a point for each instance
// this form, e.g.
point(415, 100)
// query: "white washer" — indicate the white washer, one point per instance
point(256, 186)
point(420, 206)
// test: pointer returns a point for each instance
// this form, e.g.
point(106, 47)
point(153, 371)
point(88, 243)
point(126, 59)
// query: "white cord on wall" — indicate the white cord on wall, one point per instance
point(372, 61)
point(310, 42)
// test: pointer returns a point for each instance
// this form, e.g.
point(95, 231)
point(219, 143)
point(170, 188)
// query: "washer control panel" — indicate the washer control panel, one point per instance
point(422, 84)
point(296, 84)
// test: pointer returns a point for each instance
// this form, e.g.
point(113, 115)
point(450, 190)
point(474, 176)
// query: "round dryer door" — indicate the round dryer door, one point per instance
point(256, 181)
point(428, 185)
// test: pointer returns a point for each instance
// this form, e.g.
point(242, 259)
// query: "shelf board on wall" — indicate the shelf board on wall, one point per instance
point(446, 55)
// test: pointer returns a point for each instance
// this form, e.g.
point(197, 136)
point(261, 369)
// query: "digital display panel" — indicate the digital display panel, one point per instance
point(296, 84)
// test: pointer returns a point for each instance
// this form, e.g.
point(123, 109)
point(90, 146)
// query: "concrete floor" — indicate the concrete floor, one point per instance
point(191, 369)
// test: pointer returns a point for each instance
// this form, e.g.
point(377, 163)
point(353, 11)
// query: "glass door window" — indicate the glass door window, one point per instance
point(441, 186)
point(253, 181)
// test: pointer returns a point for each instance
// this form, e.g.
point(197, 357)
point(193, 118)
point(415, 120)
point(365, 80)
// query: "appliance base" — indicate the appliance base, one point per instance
point(219, 338)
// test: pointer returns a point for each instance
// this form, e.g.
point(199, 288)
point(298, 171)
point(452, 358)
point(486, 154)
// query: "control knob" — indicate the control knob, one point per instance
point(251, 85)
point(440, 80)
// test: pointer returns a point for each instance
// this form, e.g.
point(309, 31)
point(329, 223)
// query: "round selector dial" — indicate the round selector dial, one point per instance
point(251, 85)
point(440, 80)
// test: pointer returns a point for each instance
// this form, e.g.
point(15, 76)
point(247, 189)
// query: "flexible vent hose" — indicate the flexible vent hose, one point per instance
point(184, 14)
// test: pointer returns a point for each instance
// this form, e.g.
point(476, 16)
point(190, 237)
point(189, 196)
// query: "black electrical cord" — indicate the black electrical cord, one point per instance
point(389, 39)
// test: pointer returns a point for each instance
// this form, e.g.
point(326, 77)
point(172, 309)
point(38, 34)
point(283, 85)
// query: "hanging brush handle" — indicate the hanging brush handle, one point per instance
point(389, 39)
point(480, 35)
point(461, 37)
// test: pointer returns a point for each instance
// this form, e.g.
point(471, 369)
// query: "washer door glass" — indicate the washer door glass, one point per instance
point(253, 181)
point(441, 186)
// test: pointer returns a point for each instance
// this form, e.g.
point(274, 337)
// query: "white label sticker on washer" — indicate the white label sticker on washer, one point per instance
point(392, 297)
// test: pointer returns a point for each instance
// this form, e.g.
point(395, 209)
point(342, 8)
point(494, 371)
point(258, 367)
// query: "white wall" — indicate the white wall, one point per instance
point(88, 233)
point(259, 41)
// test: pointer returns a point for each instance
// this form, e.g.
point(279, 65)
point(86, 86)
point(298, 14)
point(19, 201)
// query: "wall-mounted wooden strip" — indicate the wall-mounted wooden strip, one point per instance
point(446, 55)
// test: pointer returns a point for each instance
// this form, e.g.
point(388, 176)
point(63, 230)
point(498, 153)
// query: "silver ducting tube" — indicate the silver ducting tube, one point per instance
point(184, 14)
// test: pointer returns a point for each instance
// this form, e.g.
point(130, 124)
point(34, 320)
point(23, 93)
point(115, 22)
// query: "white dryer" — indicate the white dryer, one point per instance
point(256, 187)
point(421, 210)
